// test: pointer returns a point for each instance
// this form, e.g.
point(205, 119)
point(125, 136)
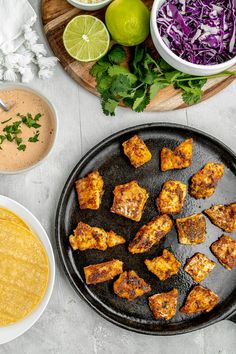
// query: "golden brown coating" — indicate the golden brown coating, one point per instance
point(223, 216)
point(129, 200)
point(200, 299)
point(98, 273)
point(191, 229)
point(87, 237)
point(90, 191)
point(204, 182)
point(199, 266)
point(171, 197)
point(180, 157)
point(225, 251)
point(129, 286)
point(137, 151)
point(164, 305)
point(163, 266)
point(150, 234)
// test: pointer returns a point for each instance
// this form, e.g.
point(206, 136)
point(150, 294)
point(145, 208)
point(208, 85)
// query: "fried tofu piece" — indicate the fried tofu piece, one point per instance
point(163, 266)
point(204, 182)
point(87, 237)
point(129, 200)
point(199, 266)
point(180, 157)
point(130, 286)
point(137, 151)
point(90, 191)
point(150, 234)
point(200, 299)
point(191, 229)
point(98, 273)
point(225, 251)
point(223, 216)
point(164, 305)
point(171, 197)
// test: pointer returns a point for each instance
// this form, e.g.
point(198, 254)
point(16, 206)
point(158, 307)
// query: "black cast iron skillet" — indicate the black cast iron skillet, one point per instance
point(108, 158)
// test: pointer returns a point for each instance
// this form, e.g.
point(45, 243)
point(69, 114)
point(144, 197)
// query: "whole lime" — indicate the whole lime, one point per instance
point(128, 21)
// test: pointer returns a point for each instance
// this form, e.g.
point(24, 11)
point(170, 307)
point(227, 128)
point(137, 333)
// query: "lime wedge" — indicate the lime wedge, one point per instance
point(86, 38)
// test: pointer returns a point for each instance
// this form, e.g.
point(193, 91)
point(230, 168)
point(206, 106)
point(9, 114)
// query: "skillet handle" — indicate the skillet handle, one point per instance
point(232, 318)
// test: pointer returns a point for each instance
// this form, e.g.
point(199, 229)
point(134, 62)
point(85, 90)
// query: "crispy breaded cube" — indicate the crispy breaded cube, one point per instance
point(87, 237)
point(129, 200)
point(191, 229)
point(113, 239)
point(130, 286)
point(164, 305)
point(199, 266)
point(98, 273)
point(180, 157)
point(225, 250)
point(200, 299)
point(90, 191)
point(150, 234)
point(171, 197)
point(204, 182)
point(163, 266)
point(137, 151)
point(223, 216)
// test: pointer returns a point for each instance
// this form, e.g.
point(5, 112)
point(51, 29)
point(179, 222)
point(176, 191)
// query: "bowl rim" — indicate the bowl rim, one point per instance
point(12, 331)
point(21, 86)
point(77, 2)
point(155, 7)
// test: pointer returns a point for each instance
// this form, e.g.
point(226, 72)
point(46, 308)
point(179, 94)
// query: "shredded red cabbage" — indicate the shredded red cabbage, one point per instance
point(199, 31)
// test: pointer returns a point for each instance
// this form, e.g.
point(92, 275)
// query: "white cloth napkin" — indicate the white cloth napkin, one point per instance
point(19, 47)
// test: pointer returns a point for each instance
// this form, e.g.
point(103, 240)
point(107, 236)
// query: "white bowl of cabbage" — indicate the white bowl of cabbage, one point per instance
point(196, 37)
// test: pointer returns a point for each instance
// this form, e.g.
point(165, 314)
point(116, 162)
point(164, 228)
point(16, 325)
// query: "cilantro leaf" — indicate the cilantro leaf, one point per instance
point(103, 83)
point(141, 100)
point(120, 84)
point(18, 140)
point(2, 138)
point(192, 97)
point(117, 54)
point(99, 68)
point(109, 106)
point(21, 147)
point(156, 87)
point(115, 70)
point(34, 138)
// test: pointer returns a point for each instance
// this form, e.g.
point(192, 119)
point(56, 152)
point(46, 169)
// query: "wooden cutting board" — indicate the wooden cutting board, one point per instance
point(55, 16)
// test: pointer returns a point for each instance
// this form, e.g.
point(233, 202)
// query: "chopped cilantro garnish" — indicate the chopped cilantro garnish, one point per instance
point(12, 132)
point(34, 139)
point(22, 147)
point(6, 121)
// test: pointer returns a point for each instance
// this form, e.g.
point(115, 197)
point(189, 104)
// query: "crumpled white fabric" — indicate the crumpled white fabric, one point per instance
point(19, 47)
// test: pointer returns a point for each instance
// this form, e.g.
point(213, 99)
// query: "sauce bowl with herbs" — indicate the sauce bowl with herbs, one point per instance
point(27, 131)
point(196, 37)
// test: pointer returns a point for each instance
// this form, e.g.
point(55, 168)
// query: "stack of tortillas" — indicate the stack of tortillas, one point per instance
point(23, 269)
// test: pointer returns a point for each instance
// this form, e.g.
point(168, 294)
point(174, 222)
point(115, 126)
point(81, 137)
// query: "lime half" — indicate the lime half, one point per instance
point(86, 38)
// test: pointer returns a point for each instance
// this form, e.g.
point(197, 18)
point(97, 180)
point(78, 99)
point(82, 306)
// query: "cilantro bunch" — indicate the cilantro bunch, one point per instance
point(135, 80)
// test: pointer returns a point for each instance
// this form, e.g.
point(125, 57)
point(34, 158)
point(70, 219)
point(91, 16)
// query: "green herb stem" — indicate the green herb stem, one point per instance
point(224, 73)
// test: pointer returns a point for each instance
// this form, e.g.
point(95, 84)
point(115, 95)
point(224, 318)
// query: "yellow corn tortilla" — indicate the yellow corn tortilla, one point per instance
point(23, 272)
point(8, 215)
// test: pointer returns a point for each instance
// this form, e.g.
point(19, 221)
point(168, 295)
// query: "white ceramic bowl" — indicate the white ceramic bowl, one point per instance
point(10, 332)
point(89, 7)
point(173, 60)
point(54, 117)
